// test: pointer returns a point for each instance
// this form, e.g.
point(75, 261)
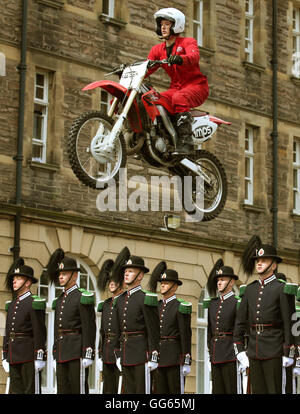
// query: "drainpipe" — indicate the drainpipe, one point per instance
point(274, 133)
point(19, 157)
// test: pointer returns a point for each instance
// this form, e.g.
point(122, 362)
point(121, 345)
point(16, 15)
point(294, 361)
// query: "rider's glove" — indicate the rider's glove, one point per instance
point(175, 60)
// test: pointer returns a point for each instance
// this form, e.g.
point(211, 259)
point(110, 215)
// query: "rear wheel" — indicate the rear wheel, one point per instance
point(204, 194)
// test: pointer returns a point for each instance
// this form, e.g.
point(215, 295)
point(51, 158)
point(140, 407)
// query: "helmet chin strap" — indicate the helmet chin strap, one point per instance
point(16, 291)
point(134, 278)
point(267, 269)
point(68, 279)
point(221, 291)
point(169, 288)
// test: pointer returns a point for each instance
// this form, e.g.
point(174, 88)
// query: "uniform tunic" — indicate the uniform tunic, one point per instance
point(268, 312)
point(75, 327)
point(25, 332)
point(221, 319)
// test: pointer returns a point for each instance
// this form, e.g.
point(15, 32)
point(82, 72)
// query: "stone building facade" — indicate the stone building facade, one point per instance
point(70, 43)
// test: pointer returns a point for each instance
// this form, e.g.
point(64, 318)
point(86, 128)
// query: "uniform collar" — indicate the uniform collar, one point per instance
point(25, 295)
point(116, 296)
point(170, 298)
point(228, 295)
point(133, 290)
point(267, 280)
point(71, 289)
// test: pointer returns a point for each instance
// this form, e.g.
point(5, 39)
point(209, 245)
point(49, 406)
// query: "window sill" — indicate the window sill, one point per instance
point(253, 208)
point(56, 4)
point(254, 66)
point(206, 51)
point(295, 80)
point(43, 166)
point(295, 216)
point(112, 21)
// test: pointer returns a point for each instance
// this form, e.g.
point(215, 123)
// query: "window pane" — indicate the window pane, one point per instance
point(196, 10)
point(105, 6)
point(37, 152)
point(40, 84)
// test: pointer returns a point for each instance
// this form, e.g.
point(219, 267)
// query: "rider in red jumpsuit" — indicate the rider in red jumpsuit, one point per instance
point(189, 87)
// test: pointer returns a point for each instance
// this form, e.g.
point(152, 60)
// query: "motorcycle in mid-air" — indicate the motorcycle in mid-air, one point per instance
point(139, 123)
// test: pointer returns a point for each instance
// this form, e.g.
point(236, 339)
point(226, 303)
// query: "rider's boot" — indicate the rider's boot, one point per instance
point(184, 132)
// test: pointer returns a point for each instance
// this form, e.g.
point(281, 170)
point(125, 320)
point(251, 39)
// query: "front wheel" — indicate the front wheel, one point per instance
point(92, 159)
point(203, 195)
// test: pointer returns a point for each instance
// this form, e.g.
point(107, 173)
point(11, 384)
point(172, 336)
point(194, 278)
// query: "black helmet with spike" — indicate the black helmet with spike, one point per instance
point(212, 280)
point(155, 275)
point(18, 268)
point(255, 250)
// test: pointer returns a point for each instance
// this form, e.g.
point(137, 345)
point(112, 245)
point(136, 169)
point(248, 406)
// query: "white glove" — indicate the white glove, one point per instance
point(5, 365)
point(287, 362)
point(86, 362)
point(243, 360)
point(186, 369)
point(152, 366)
point(118, 363)
point(39, 365)
point(54, 364)
point(296, 371)
point(100, 364)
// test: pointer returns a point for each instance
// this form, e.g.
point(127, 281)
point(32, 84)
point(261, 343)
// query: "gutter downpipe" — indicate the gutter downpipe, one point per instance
point(274, 133)
point(19, 157)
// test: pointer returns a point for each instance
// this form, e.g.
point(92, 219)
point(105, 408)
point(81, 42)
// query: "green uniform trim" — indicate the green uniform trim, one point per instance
point(7, 303)
point(242, 290)
point(151, 299)
point(38, 303)
point(53, 306)
point(291, 289)
point(206, 303)
point(100, 306)
point(239, 301)
point(87, 298)
point(298, 294)
point(185, 307)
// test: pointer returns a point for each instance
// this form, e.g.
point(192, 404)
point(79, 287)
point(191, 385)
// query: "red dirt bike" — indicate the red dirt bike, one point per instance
point(139, 123)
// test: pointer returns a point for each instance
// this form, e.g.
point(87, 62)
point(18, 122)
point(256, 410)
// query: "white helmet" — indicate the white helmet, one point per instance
point(172, 15)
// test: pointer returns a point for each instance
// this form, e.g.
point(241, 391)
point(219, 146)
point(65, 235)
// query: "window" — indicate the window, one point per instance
point(108, 7)
point(197, 21)
point(296, 176)
point(249, 164)
point(249, 19)
point(2, 64)
point(40, 117)
point(203, 385)
point(296, 43)
point(87, 281)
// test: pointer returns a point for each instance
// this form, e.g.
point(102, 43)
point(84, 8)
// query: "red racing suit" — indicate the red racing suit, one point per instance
point(188, 87)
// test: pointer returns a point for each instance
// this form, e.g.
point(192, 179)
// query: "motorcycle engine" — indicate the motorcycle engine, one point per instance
point(160, 145)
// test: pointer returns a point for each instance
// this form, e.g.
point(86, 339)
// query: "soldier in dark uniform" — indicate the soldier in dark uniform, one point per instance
point(138, 330)
point(74, 326)
point(25, 332)
point(110, 275)
point(266, 308)
point(221, 319)
point(175, 332)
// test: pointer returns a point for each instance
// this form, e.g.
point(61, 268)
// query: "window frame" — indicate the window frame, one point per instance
point(249, 155)
point(41, 142)
point(111, 9)
point(249, 19)
point(296, 42)
point(296, 167)
point(198, 34)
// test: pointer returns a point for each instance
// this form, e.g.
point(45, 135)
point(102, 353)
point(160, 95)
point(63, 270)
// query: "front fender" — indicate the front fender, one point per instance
point(120, 92)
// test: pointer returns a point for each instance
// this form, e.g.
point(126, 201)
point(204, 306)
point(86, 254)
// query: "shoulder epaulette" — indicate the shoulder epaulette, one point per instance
point(100, 306)
point(239, 300)
point(53, 306)
point(298, 294)
point(87, 298)
point(151, 299)
point(207, 302)
point(242, 290)
point(290, 288)
point(38, 303)
point(184, 307)
point(7, 303)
